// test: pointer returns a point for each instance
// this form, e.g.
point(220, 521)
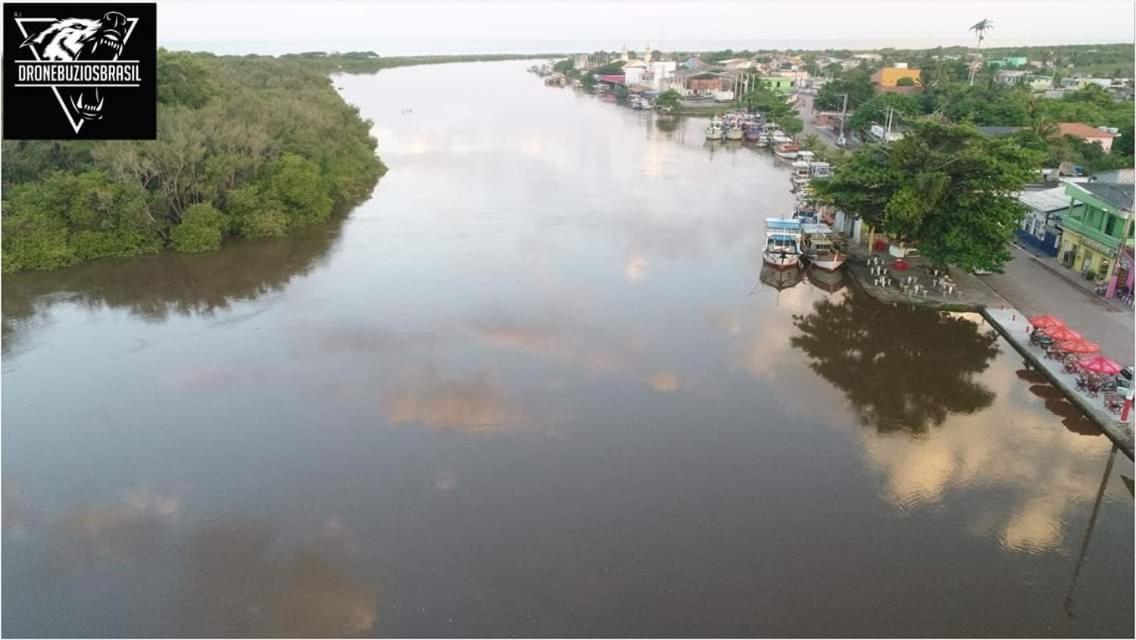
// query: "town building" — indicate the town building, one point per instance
point(660, 74)
point(1096, 232)
point(1038, 83)
point(706, 82)
point(1012, 62)
point(633, 72)
point(1041, 226)
point(1087, 133)
point(580, 61)
point(1010, 76)
point(890, 76)
point(1081, 83)
point(782, 85)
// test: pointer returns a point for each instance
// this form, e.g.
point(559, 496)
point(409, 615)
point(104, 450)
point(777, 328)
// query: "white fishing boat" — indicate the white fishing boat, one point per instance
point(820, 170)
point(801, 173)
point(782, 242)
point(714, 131)
point(736, 132)
point(819, 247)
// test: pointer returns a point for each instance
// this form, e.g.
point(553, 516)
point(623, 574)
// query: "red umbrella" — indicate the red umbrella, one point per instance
point(1078, 345)
point(1046, 322)
point(1061, 333)
point(1100, 364)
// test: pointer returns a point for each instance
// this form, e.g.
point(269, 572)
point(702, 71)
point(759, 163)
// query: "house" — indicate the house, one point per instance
point(1041, 227)
point(782, 85)
point(890, 76)
point(1038, 83)
point(867, 57)
point(1086, 133)
point(737, 63)
point(1010, 76)
point(706, 82)
point(1081, 83)
point(660, 73)
point(1012, 62)
point(1095, 230)
point(633, 72)
point(580, 61)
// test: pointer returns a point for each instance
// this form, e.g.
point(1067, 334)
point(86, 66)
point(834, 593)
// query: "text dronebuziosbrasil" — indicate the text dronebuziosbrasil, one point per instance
point(92, 73)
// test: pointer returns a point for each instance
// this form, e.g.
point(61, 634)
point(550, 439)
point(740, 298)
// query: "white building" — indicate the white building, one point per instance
point(580, 62)
point(660, 74)
point(633, 72)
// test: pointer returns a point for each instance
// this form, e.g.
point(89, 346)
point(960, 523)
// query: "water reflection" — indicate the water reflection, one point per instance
point(153, 287)
point(902, 368)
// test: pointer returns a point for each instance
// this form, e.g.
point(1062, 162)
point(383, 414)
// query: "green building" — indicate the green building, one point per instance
point(1091, 234)
point(781, 85)
point(1010, 62)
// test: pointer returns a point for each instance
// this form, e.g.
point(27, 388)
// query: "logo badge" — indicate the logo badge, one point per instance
point(80, 71)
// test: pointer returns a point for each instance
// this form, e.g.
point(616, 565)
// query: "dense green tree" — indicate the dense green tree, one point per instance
point(184, 79)
point(944, 187)
point(857, 83)
point(670, 99)
point(875, 111)
point(202, 228)
point(67, 218)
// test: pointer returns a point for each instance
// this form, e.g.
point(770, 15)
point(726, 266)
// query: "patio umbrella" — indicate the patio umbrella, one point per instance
point(1079, 345)
point(1101, 365)
point(1044, 322)
point(1062, 333)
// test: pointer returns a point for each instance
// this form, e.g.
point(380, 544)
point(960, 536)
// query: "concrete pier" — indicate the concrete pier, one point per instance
point(1014, 326)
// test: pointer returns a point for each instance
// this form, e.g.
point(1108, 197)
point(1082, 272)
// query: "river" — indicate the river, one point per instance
point(535, 386)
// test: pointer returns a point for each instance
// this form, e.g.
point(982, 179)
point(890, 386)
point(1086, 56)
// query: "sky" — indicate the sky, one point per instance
point(435, 26)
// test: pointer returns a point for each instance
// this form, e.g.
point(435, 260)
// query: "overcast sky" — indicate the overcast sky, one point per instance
point(442, 27)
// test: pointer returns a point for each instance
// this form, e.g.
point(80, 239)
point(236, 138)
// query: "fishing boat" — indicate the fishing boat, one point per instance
point(787, 150)
point(753, 133)
point(782, 242)
point(714, 131)
point(801, 173)
point(820, 170)
point(819, 248)
point(735, 132)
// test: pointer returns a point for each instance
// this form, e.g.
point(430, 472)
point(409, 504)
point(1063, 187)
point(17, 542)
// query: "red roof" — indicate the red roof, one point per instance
point(613, 78)
point(1081, 130)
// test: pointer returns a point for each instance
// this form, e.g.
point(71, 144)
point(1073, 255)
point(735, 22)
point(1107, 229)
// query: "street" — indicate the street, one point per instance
point(1034, 289)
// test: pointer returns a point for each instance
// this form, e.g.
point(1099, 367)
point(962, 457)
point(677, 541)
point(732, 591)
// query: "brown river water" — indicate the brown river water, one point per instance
point(536, 386)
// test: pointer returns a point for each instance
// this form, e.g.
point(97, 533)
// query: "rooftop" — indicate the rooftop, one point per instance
point(1081, 130)
point(1118, 196)
point(1045, 200)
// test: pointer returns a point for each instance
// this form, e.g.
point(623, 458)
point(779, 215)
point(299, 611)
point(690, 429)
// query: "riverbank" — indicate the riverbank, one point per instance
point(971, 294)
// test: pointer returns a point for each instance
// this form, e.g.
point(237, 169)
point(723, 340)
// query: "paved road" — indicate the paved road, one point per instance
point(1034, 289)
point(806, 112)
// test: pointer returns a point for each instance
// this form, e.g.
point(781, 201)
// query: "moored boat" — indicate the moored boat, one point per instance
point(780, 279)
point(782, 242)
point(735, 133)
point(787, 150)
point(819, 248)
point(752, 132)
point(714, 131)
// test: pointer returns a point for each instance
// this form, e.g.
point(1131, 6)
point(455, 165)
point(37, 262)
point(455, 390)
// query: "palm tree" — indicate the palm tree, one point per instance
point(980, 28)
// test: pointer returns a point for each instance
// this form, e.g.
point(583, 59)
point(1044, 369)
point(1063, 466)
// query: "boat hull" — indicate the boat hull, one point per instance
point(779, 260)
point(786, 155)
point(828, 263)
point(733, 134)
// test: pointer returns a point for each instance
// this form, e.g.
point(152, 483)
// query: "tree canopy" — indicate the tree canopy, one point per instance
point(943, 186)
point(249, 146)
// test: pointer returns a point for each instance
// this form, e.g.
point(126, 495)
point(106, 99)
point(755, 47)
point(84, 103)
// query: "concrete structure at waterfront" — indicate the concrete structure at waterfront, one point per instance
point(1098, 232)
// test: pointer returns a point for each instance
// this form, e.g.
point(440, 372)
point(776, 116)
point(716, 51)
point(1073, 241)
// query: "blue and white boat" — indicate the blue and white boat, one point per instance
point(782, 242)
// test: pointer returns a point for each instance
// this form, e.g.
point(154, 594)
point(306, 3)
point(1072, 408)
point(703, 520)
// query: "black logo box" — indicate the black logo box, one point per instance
point(37, 113)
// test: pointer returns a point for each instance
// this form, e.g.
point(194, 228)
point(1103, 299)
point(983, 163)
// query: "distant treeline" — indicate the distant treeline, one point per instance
point(370, 62)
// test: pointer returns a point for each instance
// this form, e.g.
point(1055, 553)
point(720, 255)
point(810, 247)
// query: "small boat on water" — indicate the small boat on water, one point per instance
point(714, 131)
point(752, 132)
point(819, 247)
point(787, 150)
point(820, 170)
point(735, 133)
point(782, 242)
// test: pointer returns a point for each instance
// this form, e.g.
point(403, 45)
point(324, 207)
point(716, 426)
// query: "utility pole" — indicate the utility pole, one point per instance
point(887, 134)
point(843, 112)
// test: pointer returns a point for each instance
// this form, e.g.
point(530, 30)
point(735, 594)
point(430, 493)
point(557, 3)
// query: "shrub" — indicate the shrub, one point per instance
point(201, 229)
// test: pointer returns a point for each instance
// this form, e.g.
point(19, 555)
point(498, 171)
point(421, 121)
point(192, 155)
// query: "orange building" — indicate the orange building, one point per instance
point(890, 76)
